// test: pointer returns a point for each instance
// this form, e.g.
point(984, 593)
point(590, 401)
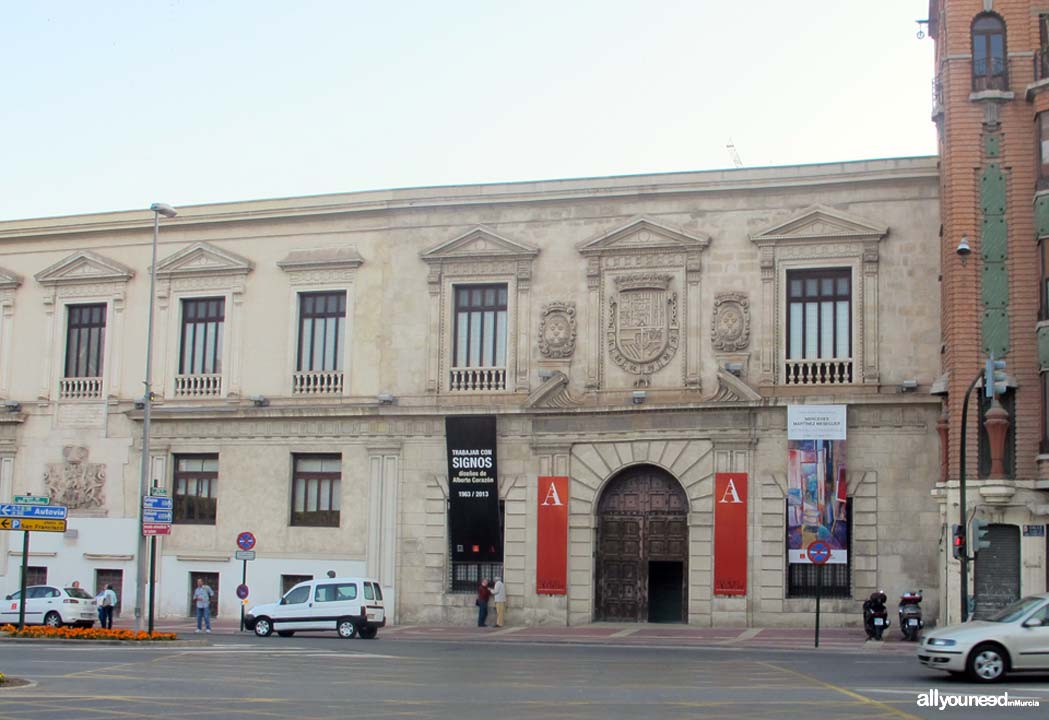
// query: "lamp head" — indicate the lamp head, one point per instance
point(964, 250)
point(163, 209)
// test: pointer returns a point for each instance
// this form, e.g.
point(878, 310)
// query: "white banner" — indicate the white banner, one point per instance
point(816, 422)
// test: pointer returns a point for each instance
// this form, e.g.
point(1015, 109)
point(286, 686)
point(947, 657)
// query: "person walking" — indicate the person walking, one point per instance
point(499, 597)
point(99, 599)
point(109, 601)
point(483, 594)
point(202, 599)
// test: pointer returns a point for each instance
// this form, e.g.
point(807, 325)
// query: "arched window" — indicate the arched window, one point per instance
point(989, 65)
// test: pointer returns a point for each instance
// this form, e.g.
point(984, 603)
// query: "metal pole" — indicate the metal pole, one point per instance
point(25, 573)
point(152, 577)
point(964, 580)
point(143, 483)
point(243, 581)
point(819, 593)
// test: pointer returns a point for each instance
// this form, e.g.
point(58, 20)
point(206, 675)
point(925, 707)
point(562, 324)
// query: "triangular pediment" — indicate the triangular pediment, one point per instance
point(203, 259)
point(642, 235)
point(84, 266)
point(9, 280)
point(341, 258)
point(478, 243)
point(820, 222)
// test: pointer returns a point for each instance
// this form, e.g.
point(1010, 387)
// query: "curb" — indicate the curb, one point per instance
point(106, 641)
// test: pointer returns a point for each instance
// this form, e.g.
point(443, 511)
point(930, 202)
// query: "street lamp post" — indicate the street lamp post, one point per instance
point(144, 479)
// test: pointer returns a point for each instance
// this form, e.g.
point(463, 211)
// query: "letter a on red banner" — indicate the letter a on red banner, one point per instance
point(730, 534)
point(551, 557)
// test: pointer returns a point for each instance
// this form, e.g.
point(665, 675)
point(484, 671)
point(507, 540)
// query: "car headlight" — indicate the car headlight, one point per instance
point(941, 642)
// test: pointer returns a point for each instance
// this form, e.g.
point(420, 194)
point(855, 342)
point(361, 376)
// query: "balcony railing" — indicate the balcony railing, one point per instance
point(317, 382)
point(831, 371)
point(80, 388)
point(198, 386)
point(990, 74)
point(482, 379)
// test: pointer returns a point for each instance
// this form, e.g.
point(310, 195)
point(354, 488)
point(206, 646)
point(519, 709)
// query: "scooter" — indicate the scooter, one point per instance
point(875, 615)
point(911, 614)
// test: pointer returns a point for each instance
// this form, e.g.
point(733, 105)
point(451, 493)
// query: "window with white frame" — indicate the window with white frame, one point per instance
point(819, 326)
point(85, 348)
point(480, 326)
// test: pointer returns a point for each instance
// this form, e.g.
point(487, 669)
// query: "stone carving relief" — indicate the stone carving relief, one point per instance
point(730, 330)
point(557, 330)
point(76, 483)
point(643, 332)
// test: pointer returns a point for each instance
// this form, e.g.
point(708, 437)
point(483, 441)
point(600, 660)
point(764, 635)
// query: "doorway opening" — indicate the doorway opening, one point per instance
point(666, 591)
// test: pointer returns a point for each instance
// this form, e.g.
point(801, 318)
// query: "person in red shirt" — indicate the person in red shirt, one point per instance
point(483, 594)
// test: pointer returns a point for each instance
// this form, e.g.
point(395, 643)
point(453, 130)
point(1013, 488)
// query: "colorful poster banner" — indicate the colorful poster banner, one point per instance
point(730, 534)
point(551, 557)
point(473, 489)
point(817, 492)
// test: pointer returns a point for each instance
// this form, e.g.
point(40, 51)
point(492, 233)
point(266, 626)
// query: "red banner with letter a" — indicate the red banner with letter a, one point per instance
point(730, 534)
point(551, 557)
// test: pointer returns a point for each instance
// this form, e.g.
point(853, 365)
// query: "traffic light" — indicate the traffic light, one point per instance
point(958, 541)
point(994, 378)
point(980, 539)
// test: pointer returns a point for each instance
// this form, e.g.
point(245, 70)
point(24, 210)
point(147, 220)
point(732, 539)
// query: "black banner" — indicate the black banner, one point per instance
point(473, 489)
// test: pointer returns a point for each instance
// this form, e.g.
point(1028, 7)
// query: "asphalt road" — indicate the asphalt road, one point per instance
point(324, 677)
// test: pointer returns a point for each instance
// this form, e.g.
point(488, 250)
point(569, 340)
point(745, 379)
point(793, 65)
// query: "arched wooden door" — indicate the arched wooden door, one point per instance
point(642, 548)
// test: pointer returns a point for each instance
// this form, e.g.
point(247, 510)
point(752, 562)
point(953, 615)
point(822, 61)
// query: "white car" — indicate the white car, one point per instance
point(346, 605)
point(51, 605)
point(1014, 639)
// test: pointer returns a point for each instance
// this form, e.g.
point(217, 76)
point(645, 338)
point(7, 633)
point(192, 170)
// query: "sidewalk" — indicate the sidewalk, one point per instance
point(801, 638)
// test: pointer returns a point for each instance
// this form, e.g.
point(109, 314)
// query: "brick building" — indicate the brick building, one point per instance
point(991, 108)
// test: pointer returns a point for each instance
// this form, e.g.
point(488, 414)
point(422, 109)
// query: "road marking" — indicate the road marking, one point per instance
point(625, 632)
point(849, 693)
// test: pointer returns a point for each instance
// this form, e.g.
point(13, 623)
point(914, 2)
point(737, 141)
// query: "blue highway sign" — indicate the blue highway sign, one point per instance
point(157, 516)
point(56, 512)
point(153, 502)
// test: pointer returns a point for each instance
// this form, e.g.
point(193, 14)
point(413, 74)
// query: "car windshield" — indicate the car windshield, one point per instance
point(78, 593)
point(1015, 611)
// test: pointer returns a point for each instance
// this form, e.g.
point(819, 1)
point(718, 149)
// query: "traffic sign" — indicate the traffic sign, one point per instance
point(34, 524)
point(154, 502)
point(818, 552)
point(245, 554)
point(159, 491)
point(246, 541)
point(33, 499)
point(156, 529)
point(157, 516)
point(242, 591)
point(55, 512)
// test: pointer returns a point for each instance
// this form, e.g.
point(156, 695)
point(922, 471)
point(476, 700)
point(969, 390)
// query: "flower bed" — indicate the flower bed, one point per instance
point(72, 633)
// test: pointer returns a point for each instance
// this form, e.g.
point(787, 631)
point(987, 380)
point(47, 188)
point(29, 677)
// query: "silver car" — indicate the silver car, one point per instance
point(1015, 639)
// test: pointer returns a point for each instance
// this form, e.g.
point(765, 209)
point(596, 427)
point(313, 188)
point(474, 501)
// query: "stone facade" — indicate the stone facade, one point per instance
point(646, 325)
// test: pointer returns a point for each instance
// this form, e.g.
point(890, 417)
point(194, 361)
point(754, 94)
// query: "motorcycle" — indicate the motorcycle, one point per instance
point(911, 614)
point(875, 615)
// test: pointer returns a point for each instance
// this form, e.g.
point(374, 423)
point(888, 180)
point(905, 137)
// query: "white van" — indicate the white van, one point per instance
point(347, 605)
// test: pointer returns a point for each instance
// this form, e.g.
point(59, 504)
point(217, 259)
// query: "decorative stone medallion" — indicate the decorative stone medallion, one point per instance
point(557, 330)
point(730, 330)
point(76, 483)
point(643, 333)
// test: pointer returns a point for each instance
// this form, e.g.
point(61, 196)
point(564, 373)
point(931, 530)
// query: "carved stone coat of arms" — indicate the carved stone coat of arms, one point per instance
point(557, 330)
point(76, 483)
point(643, 332)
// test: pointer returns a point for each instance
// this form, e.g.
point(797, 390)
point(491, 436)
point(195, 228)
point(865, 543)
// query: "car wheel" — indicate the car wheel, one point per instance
point(368, 633)
point(263, 627)
point(346, 627)
point(988, 663)
point(53, 619)
point(285, 633)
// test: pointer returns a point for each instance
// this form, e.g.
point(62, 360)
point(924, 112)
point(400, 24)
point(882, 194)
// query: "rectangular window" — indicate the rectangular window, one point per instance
point(35, 575)
point(1043, 252)
point(202, 324)
point(114, 577)
point(819, 314)
point(802, 578)
point(1043, 379)
point(322, 324)
point(196, 479)
point(316, 489)
point(480, 326)
point(85, 340)
point(466, 575)
point(287, 582)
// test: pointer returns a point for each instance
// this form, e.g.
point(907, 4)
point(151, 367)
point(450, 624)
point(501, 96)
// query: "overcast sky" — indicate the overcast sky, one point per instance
point(113, 105)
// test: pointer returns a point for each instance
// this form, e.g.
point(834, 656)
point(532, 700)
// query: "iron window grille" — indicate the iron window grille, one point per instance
point(802, 579)
point(466, 576)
